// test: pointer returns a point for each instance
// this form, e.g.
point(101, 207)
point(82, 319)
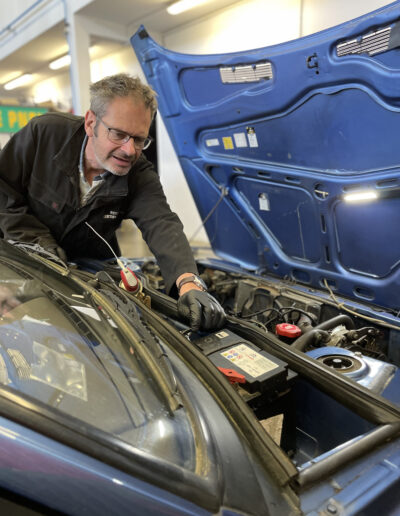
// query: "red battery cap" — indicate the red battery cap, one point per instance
point(287, 330)
point(232, 375)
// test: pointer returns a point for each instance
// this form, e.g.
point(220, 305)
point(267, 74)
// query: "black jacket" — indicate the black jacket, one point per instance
point(40, 199)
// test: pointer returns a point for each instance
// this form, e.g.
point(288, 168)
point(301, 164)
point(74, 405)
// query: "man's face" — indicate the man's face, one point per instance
point(126, 115)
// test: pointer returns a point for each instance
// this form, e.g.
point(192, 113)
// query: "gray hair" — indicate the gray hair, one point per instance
point(107, 89)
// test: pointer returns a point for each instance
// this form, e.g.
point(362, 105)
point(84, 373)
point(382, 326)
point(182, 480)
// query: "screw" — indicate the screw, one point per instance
point(332, 509)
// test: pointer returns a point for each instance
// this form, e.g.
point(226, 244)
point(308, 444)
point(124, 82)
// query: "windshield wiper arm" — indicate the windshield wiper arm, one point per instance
point(107, 299)
point(38, 252)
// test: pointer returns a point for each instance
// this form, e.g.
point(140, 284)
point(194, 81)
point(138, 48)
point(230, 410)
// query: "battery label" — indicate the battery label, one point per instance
point(248, 360)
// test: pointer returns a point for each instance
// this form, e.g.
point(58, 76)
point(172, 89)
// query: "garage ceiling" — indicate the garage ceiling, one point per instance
point(35, 56)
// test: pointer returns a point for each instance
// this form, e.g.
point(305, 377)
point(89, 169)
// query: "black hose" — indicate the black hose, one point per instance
point(319, 332)
point(335, 321)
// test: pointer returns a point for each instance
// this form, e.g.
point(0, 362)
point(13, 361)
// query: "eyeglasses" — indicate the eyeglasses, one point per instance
point(117, 136)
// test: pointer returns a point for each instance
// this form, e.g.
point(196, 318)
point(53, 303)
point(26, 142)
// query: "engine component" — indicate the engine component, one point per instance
point(373, 374)
point(153, 275)
point(287, 332)
point(319, 333)
point(263, 372)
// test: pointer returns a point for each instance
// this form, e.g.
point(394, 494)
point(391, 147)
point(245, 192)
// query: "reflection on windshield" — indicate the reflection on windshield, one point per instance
point(8, 301)
point(56, 348)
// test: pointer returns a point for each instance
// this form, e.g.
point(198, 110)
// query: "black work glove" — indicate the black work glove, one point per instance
point(203, 310)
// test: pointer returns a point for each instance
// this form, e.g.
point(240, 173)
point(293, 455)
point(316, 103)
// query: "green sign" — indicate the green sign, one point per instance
point(13, 118)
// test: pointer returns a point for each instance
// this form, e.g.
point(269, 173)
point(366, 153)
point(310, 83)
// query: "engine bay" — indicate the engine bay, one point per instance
point(306, 422)
point(316, 375)
point(303, 320)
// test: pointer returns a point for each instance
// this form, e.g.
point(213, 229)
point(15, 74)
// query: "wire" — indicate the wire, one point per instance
point(224, 193)
point(247, 316)
point(357, 314)
point(261, 325)
point(102, 238)
point(289, 310)
point(281, 312)
point(105, 241)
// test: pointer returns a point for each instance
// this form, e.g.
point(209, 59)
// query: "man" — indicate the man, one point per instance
point(61, 171)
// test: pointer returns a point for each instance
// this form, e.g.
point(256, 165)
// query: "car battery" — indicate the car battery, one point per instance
point(262, 372)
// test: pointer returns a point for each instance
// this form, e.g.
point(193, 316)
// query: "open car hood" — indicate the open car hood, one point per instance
point(274, 138)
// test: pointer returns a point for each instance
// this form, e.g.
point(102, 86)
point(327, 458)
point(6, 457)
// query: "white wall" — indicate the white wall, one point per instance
point(321, 14)
point(4, 137)
point(124, 61)
point(9, 11)
point(37, 20)
point(246, 25)
point(56, 90)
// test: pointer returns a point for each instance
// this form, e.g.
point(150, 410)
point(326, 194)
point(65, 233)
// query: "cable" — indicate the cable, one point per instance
point(285, 311)
point(357, 314)
point(247, 316)
point(129, 279)
point(224, 193)
point(105, 241)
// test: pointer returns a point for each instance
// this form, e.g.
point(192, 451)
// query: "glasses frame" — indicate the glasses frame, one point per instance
point(121, 141)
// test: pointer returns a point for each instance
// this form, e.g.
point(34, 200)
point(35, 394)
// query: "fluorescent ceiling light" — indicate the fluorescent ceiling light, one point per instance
point(63, 61)
point(366, 195)
point(60, 62)
point(19, 81)
point(184, 5)
point(10, 76)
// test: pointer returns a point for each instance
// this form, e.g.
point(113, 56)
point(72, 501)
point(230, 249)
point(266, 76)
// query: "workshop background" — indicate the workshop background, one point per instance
point(92, 38)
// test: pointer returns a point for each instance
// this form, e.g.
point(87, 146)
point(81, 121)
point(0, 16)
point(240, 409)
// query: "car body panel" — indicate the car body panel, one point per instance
point(367, 487)
point(235, 466)
point(273, 139)
point(121, 429)
point(75, 483)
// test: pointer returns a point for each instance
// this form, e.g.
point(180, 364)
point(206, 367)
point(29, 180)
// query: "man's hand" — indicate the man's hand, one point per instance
point(202, 310)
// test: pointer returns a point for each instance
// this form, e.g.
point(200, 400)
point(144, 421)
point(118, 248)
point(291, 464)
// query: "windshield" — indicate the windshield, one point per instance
point(57, 347)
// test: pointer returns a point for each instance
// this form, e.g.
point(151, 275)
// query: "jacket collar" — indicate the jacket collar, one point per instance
point(67, 158)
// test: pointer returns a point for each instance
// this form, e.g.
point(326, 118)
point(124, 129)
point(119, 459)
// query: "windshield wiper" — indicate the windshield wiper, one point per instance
point(124, 313)
point(124, 304)
point(130, 311)
point(92, 339)
point(162, 375)
point(39, 252)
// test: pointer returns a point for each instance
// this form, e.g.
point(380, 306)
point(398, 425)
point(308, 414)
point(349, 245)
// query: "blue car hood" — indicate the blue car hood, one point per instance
point(272, 140)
